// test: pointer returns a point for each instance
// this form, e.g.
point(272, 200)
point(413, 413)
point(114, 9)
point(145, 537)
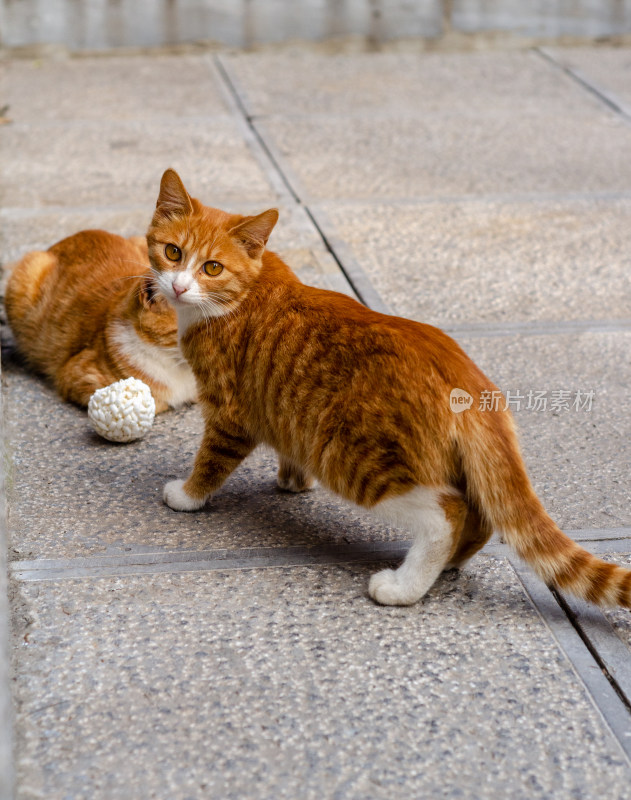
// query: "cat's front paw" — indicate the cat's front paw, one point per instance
point(388, 589)
point(176, 498)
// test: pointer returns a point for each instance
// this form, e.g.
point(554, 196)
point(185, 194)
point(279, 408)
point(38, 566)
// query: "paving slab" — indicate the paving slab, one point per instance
point(478, 260)
point(194, 691)
point(102, 498)
point(606, 69)
point(114, 88)
point(109, 163)
point(111, 127)
point(443, 155)
point(402, 83)
point(430, 140)
point(6, 700)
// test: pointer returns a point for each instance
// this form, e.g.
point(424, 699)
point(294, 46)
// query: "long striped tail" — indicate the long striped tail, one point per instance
point(499, 487)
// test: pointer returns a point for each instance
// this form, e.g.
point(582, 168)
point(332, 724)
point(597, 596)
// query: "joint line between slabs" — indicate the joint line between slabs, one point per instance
point(607, 697)
point(240, 107)
point(583, 83)
point(354, 275)
point(537, 328)
point(576, 624)
point(275, 165)
point(618, 542)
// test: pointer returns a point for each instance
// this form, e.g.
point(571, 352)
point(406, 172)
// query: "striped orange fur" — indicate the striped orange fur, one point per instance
point(85, 314)
point(357, 399)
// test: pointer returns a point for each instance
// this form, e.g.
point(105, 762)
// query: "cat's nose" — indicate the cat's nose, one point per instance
point(178, 289)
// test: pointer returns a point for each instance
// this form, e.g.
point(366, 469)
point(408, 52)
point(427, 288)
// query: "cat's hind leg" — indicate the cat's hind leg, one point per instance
point(436, 517)
point(81, 376)
point(470, 531)
point(292, 478)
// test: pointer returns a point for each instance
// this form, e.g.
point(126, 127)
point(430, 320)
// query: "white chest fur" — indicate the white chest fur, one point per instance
point(163, 365)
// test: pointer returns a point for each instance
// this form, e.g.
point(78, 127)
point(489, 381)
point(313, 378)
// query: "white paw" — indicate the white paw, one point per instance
point(176, 498)
point(387, 588)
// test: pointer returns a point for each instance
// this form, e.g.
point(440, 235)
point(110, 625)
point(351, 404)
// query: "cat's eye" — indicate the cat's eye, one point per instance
point(212, 268)
point(172, 252)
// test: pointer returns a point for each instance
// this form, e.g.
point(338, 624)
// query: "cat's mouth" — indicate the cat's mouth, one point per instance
point(182, 299)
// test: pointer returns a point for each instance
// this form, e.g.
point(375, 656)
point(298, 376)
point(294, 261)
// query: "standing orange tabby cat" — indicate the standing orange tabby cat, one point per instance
point(85, 314)
point(356, 399)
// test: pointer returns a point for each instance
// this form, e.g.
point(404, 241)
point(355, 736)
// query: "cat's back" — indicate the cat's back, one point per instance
point(314, 349)
point(56, 300)
point(96, 258)
point(344, 324)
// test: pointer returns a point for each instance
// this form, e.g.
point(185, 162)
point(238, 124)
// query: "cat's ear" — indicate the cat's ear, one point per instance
point(253, 232)
point(173, 200)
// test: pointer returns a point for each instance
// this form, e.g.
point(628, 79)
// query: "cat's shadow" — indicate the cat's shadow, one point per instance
point(311, 520)
point(343, 543)
point(282, 519)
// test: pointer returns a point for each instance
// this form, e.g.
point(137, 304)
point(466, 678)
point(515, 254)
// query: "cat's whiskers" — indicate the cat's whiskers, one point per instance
point(216, 299)
point(210, 308)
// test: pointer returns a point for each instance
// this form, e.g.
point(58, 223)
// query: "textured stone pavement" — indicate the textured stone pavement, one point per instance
point(234, 653)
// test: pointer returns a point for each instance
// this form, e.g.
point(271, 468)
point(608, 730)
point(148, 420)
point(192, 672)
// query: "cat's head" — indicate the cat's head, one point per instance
point(203, 259)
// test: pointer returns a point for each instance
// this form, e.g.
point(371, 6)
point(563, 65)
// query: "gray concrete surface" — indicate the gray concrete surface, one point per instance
point(36, 90)
point(546, 137)
point(305, 83)
point(454, 155)
point(234, 652)
point(290, 683)
point(452, 263)
point(113, 161)
point(609, 72)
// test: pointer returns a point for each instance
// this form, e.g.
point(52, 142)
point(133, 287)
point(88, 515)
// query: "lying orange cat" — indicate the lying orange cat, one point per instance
point(85, 314)
point(357, 399)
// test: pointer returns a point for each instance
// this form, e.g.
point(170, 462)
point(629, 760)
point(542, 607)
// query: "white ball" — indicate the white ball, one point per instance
point(122, 411)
